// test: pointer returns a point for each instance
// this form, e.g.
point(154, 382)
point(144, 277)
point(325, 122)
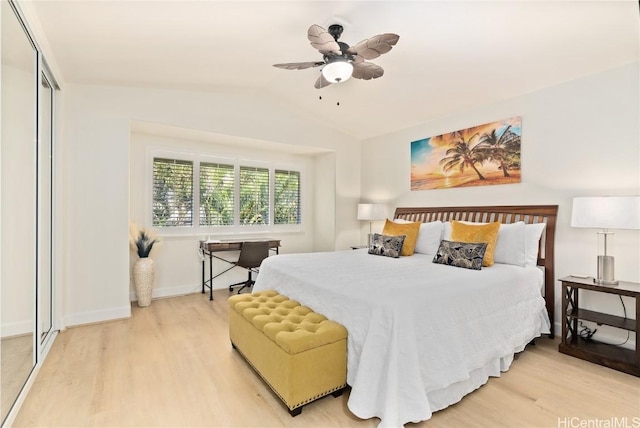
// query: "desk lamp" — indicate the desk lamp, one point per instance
point(606, 212)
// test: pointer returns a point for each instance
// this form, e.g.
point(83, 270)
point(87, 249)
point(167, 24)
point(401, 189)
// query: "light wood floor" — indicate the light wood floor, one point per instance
point(171, 365)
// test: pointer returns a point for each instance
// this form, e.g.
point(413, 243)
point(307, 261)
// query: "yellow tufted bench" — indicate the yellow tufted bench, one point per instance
point(299, 353)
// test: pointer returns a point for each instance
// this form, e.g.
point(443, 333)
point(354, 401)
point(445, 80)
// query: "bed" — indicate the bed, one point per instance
point(422, 335)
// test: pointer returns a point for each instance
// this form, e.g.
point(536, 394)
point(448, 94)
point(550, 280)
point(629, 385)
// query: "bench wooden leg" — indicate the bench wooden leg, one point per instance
point(338, 393)
point(295, 412)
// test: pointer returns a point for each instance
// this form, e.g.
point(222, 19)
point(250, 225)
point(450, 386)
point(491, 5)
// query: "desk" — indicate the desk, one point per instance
point(210, 248)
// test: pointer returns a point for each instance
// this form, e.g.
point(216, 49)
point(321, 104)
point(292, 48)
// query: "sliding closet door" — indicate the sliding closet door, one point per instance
point(19, 211)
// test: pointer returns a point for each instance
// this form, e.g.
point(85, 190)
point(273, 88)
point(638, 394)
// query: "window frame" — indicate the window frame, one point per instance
point(237, 161)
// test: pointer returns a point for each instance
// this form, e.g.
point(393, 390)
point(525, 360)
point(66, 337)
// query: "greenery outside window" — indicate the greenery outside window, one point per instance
point(286, 197)
point(172, 193)
point(217, 184)
point(254, 195)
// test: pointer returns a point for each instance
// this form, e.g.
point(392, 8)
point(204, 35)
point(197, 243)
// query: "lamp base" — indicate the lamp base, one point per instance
point(605, 271)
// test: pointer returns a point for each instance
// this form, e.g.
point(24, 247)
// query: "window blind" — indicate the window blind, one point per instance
point(254, 195)
point(286, 197)
point(172, 192)
point(217, 186)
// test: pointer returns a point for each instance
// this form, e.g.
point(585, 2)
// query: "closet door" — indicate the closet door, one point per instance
point(18, 202)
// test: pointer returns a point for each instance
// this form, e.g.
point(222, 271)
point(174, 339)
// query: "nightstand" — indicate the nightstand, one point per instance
point(615, 357)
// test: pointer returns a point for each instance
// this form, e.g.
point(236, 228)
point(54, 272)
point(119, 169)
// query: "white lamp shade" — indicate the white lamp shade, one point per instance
point(337, 71)
point(606, 212)
point(371, 212)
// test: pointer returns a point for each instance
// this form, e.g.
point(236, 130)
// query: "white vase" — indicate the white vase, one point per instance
point(143, 273)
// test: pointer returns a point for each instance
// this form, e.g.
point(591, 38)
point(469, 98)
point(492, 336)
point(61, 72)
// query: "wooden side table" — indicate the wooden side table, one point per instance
point(615, 357)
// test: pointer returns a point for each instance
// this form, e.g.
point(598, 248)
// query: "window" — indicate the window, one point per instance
point(172, 193)
point(228, 196)
point(254, 195)
point(286, 197)
point(217, 184)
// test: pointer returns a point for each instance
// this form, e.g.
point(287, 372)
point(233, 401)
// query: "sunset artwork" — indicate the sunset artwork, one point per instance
point(478, 156)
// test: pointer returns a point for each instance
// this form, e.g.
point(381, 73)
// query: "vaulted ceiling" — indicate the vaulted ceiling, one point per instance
point(451, 56)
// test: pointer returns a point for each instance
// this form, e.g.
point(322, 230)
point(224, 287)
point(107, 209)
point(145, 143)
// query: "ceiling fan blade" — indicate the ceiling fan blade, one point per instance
point(322, 40)
point(299, 65)
point(366, 71)
point(375, 46)
point(321, 82)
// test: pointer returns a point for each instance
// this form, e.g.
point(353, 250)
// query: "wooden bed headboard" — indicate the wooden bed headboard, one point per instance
point(504, 214)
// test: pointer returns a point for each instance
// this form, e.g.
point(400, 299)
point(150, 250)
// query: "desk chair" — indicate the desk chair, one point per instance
point(251, 256)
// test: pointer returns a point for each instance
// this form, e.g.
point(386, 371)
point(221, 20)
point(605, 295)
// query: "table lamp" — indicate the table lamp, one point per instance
point(606, 212)
point(371, 212)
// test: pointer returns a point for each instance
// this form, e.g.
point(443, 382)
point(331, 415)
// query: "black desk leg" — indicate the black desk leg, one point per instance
point(202, 273)
point(211, 276)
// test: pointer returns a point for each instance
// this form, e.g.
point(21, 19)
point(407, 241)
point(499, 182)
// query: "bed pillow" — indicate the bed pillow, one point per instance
point(388, 246)
point(409, 230)
point(429, 237)
point(510, 246)
point(532, 234)
point(446, 230)
point(461, 232)
point(461, 254)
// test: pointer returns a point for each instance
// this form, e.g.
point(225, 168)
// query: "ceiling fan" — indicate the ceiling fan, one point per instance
point(341, 61)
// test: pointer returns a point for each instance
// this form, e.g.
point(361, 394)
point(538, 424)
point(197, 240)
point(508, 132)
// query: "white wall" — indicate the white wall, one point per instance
point(580, 138)
point(97, 131)
point(324, 202)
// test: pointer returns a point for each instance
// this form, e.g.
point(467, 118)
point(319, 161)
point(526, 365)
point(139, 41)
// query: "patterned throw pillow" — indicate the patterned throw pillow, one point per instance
point(461, 254)
point(389, 246)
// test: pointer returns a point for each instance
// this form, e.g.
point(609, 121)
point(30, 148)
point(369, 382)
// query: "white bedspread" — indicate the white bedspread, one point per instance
point(420, 335)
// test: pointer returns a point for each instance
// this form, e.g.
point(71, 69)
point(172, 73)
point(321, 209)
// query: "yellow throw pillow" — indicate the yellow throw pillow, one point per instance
point(410, 230)
point(462, 232)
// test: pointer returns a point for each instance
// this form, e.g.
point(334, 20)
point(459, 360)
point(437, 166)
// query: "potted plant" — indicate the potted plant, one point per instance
point(142, 241)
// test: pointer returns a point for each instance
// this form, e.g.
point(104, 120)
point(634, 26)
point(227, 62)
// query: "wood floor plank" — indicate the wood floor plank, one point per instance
point(171, 365)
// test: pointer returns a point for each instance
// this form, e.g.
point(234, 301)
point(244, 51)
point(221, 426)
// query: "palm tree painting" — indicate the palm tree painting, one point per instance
point(481, 155)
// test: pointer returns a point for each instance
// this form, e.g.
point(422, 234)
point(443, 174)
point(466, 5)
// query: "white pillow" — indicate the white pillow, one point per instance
point(532, 234)
point(446, 230)
point(401, 221)
point(510, 244)
point(429, 237)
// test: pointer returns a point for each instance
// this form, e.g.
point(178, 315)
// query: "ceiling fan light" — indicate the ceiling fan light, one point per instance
point(337, 71)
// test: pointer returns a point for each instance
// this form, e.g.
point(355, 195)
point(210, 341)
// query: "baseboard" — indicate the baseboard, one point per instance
point(98, 316)
point(180, 290)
